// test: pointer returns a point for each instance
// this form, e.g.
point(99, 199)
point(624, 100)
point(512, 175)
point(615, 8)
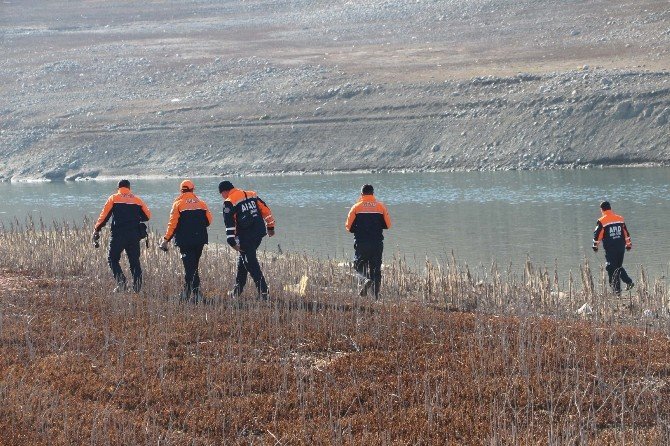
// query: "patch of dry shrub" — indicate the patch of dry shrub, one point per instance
point(80, 365)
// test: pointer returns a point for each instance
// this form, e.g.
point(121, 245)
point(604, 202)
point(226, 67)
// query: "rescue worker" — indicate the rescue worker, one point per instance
point(247, 219)
point(367, 220)
point(127, 211)
point(189, 219)
point(612, 230)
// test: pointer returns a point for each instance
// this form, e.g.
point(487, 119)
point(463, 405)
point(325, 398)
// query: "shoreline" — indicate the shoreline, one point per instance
point(151, 177)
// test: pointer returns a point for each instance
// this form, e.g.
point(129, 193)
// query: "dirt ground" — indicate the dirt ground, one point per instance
point(81, 365)
point(168, 88)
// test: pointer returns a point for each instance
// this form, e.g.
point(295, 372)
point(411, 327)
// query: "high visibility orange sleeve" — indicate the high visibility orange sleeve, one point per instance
point(105, 214)
point(626, 235)
point(174, 221)
point(145, 209)
point(266, 213)
point(208, 214)
point(387, 218)
point(350, 218)
point(598, 233)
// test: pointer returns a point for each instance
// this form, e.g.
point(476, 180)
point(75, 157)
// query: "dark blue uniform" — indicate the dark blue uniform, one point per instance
point(612, 231)
point(189, 219)
point(246, 218)
point(367, 220)
point(126, 211)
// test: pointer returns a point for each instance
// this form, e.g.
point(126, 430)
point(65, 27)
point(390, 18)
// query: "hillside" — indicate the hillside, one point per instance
point(162, 88)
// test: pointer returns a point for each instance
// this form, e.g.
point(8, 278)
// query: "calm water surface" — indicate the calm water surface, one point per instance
point(481, 216)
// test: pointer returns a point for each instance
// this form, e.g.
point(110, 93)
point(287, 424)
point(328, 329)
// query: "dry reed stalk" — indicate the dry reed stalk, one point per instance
point(62, 249)
point(81, 365)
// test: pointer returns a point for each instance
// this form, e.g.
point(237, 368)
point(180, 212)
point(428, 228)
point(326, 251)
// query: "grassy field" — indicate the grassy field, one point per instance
point(448, 356)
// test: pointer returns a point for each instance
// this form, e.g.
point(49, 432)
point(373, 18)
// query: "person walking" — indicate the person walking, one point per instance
point(127, 212)
point(612, 230)
point(247, 219)
point(367, 220)
point(189, 219)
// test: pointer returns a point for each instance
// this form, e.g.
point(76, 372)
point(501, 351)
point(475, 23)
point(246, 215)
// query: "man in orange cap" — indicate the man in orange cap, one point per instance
point(189, 219)
point(127, 211)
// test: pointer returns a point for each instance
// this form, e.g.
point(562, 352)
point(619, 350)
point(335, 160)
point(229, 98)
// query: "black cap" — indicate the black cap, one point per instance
point(367, 189)
point(605, 206)
point(124, 183)
point(225, 185)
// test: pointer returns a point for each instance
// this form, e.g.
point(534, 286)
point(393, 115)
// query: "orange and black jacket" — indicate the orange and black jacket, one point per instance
point(246, 216)
point(613, 232)
point(126, 211)
point(189, 219)
point(367, 220)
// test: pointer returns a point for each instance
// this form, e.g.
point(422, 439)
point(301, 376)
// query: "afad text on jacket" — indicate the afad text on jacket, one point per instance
point(246, 216)
point(612, 231)
point(367, 220)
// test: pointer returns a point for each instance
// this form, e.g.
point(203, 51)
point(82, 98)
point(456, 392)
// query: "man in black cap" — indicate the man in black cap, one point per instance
point(247, 219)
point(613, 232)
point(127, 211)
point(367, 220)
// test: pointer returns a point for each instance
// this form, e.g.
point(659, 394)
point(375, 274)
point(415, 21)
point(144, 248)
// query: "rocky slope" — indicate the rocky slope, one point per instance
point(157, 88)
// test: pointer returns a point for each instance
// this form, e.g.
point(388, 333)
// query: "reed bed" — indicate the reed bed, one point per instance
point(450, 354)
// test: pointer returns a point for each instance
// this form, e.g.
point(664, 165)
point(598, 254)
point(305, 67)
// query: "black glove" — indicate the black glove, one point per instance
point(96, 239)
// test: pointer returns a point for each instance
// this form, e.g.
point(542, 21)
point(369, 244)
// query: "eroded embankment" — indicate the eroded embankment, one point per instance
point(576, 119)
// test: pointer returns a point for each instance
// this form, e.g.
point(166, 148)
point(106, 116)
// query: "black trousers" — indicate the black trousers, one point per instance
point(247, 263)
point(615, 270)
point(368, 262)
point(130, 243)
point(190, 257)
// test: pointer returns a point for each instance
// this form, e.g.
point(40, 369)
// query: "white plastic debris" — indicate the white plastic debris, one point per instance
point(300, 288)
point(585, 310)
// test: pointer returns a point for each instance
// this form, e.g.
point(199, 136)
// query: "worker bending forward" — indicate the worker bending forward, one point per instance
point(614, 234)
point(189, 219)
point(367, 220)
point(127, 211)
point(247, 219)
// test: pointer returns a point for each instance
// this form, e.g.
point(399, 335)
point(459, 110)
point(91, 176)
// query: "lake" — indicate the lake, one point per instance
point(480, 216)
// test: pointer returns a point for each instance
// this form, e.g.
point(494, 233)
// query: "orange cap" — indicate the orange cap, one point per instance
point(187, 185)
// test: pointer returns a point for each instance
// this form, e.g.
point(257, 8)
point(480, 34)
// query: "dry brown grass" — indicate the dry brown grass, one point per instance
point(80, 365)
